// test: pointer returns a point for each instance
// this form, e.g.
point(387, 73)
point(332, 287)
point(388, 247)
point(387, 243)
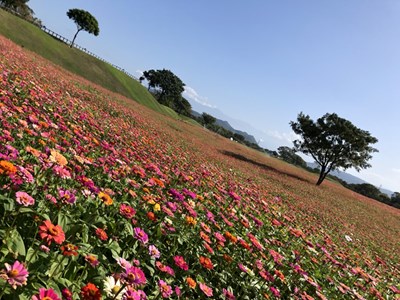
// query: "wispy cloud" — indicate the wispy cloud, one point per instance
point(282, 136)
point(139, 72)
point(191, 94)
point(396, 170)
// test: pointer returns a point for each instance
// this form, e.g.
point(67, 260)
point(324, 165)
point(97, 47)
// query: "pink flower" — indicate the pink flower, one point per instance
point(132, 294)
point(44, 294)
point(141, 235)
point(228, 295)
point(275, 291)
point(206, 289)
point(127, 211)
point(16, 275)
point(92, 260)
point(165, 289)
point(24, 199)
point(154, 252)
point(180, 262)
point(124, 263)
point(134, 276)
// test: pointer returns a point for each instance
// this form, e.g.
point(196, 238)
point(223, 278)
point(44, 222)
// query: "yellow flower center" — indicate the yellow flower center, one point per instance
point(13, 273)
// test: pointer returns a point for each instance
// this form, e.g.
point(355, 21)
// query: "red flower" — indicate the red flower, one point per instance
point(180, 262)
point(90, 292)
point(69, 250)
point(50, 232)
point(101, 234)
point(206, 262)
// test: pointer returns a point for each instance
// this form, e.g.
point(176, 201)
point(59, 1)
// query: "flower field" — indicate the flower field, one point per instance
point(102, 199)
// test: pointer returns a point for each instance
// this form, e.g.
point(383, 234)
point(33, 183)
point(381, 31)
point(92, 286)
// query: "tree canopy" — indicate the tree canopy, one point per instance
point(333, 142)
point(289, 155)
point(167, 86)
point(84, 21)
point(20, 6)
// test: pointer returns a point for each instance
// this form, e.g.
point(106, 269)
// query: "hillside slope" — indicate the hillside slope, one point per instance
point(96, 186)
point(33, 38)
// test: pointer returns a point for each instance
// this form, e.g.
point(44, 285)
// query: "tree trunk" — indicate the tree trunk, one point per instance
point(73, 40)
point(322, 175)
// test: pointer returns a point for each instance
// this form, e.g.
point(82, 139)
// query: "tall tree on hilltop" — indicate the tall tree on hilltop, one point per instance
point(167, 86)
point(333, 142)
point(84, 21)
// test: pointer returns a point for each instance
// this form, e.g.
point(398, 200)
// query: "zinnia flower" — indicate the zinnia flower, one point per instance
point(69, 250)
point(113, 287)
point(127, 211)
point(16, 275)
point(191, 283)
point(141, 235)
point(180, 262)
point(90, 292)
point(58, 158)
point(92, 260)
point(132, 294)
point(206, 289)
point(165, 289)
point(46, 294)
point(206, 262)
point(50, 232)
point(101, 234)
point(105, 198)
point(7, 168)
point(134, 276)
point(67, 294)
point(154, 252)
point(24, 199)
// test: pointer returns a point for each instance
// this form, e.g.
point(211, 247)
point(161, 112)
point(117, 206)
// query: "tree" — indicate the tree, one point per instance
point(19, 6)
point(289, 155)
point(333, 142)
point(167, 86)
point(208, 119)
point(84, 21)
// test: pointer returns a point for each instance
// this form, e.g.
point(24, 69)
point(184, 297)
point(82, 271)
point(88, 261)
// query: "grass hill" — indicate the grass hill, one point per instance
point(34, 39)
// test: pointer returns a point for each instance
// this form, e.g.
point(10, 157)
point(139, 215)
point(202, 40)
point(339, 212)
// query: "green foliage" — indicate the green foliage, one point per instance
point(333, 142)
point(289, 155)
point(84, 21)
point(207, 119)
point(19, 6)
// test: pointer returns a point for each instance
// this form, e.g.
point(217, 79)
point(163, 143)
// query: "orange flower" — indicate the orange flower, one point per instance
point(151, 216)
point(90, 292)
point(105, 198)
point(205, 237)
point(191, 283)
point(230, 237)
point(7, 168)
point(191, 221)
point(206, 262)
point(58, 158)
point(228, 258)
point(280, 275)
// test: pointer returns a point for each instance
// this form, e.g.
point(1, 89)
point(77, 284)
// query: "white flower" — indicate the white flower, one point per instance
point(348, 238)
point(112, 288)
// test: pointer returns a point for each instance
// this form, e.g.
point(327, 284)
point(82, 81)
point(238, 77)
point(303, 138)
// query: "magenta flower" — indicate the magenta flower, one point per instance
point(44, 294)
point(165, 289)
point(132, 294)
point(134, 276)
point(67, 196)
point(24, 199)
point(154, 252)
point(15, 275)
point(180, 262)
point(228, 295)
point(141, 235)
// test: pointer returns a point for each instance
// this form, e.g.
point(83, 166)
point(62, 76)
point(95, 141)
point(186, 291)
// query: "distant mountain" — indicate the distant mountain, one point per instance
point(227, 126)
point(351, 179)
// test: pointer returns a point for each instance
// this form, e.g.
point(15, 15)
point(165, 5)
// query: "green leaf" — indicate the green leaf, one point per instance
point(15, 243)
point(63, 221)
point(8, 204)
point(32, 255)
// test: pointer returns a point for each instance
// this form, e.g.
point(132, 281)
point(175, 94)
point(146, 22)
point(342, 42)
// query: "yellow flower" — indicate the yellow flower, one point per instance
point(156, 207)
point(105, 198)
point(191, 221)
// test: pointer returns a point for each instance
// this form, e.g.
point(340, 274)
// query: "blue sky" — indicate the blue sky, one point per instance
point(261, 62)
